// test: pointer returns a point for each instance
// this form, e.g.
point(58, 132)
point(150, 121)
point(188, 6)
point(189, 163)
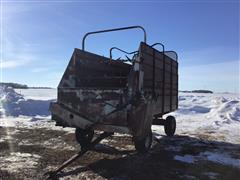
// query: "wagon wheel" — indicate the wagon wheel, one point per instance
point(84, 136)
point(143, 145)
point(170, 125)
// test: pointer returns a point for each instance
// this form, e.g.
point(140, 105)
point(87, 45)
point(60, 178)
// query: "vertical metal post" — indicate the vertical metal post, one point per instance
point(153, 78)
point(163, 85)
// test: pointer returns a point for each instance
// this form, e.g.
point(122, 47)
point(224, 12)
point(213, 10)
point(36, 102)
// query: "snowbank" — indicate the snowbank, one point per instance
point(215, 116)
point(28, 108)
point(15, 104)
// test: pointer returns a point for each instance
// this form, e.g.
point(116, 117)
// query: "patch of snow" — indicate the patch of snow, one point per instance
point(185, 158)
point(216, 157)
point(121, 135)
point(18, 161)
point(221, 158)
point(57, 143)
point(173, 148)
point(188, 177)
point(25, 142)
point(211, 175)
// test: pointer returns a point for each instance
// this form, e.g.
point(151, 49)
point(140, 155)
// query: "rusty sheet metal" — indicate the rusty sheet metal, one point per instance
point(86, 69)
point(115, 96)
point(95, 105)
point(66, 118)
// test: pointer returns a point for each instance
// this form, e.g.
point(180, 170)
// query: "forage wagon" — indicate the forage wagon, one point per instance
point(116, 95)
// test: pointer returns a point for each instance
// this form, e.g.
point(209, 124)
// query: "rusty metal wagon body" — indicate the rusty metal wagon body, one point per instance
point(99, 93)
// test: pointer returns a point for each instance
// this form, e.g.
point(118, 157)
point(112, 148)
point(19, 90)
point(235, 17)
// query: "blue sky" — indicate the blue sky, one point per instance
point(38, 37)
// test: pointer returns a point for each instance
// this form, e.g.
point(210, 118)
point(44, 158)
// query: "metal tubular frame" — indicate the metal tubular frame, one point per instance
point(160, 45)
point(153, 85)
point(110, 30)
point(121, 51)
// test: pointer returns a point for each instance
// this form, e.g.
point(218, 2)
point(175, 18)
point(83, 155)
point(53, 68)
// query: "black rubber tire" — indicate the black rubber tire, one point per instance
point(143, 145)
point(84, 136)
point(170, 126)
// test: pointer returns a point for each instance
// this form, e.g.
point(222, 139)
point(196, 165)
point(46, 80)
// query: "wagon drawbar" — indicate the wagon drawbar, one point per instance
point(124, 96)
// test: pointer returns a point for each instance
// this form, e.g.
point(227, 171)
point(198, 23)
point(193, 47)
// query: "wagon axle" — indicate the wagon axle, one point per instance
point(142, 145)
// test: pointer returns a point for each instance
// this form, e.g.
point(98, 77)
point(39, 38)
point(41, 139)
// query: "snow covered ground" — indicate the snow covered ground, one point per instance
point(210, 122)
point(216, 115)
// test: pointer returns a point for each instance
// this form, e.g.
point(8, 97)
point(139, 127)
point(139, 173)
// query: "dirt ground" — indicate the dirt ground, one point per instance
point(28, 153)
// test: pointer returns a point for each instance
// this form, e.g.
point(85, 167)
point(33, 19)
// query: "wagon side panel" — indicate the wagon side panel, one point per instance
point(160, 79)
point(93, 87)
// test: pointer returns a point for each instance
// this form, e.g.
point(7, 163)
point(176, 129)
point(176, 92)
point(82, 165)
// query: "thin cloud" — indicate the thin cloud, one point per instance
point(17, 52)
point(15, 63)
